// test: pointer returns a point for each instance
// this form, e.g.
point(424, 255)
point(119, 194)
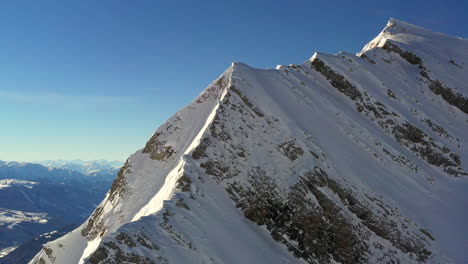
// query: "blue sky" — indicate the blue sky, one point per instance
point(86, 79)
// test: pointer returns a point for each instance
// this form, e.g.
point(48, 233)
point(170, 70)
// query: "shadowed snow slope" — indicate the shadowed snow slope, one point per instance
point(343, 159)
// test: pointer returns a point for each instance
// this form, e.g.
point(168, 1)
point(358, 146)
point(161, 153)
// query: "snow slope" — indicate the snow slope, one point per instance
point(345, 158)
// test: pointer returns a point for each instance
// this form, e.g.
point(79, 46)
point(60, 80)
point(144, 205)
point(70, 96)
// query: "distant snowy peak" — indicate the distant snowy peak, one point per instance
point(344, 158)
point(91, 168)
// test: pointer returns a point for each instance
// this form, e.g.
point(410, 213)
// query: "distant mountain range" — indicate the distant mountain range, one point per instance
point(36, 199)
point(91, 168)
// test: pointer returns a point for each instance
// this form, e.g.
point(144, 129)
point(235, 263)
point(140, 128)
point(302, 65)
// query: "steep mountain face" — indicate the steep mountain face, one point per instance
point(35, 199)
point(343, 159)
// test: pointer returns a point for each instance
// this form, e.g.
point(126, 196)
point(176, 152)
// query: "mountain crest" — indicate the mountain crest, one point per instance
point(333, 160)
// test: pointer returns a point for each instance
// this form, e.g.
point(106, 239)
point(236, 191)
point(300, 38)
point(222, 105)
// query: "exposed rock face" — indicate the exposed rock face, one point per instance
point(453, 98)
point(332, 161)
point(319, 230)
point(336, 80)
point(406, 134)
point(290, 150)
point(95, 225)
point(407, 55)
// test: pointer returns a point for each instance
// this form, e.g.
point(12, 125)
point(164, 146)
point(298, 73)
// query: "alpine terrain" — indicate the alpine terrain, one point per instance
point(35, 199)
point(343, 159)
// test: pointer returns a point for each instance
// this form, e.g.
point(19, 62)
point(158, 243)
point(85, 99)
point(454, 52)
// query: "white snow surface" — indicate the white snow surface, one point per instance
point(7, 183)
point(5, 251)
point(9, 218)
point(302, 106)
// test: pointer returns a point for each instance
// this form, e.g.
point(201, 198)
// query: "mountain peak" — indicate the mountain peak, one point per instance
point(341, 159)
point(415, 37)
point(402, 26)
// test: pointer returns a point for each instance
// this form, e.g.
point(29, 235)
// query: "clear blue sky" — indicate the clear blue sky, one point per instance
point(93, 79)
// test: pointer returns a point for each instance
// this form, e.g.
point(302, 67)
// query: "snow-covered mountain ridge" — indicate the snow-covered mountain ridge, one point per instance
point(345, 158)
